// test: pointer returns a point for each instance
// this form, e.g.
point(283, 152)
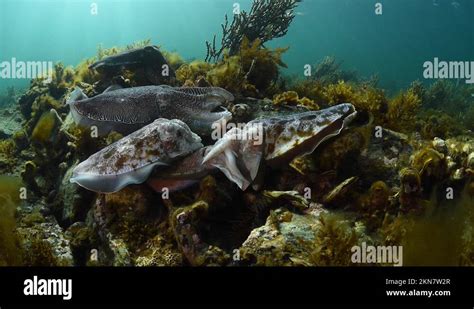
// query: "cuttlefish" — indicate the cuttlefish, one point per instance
point(242, 153)
point(132, 159)
point(126, 110)
point(148, 58)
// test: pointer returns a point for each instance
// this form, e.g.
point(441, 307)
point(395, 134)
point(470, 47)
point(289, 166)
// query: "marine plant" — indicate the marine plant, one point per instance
point(328, 71)
point(434, 123)
point(44, 129)
point(8, 159)
point(364, 98)
point(10, 251)
point(192, 71)
point(41, 105)
point(252, 71)
point(266, 20)
point(308, 88)
point(402, 110)
point(334, 239)
point(441, 236)
point(174, 59)
point(292, 98)
point(62, 80)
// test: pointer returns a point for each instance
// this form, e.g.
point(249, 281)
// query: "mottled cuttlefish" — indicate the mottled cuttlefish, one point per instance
point(243, 159)
point(132, 159)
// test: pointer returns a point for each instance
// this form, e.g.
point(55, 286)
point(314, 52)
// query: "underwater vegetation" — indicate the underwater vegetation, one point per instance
point(382, 191)
point(253, 71)
point(10, 252)
point(400, 172)
point(265, 21)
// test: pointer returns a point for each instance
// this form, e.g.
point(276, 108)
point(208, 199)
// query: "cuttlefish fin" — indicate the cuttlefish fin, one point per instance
point(76, 95)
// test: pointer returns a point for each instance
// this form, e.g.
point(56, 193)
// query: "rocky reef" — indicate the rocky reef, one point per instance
point(402, 174)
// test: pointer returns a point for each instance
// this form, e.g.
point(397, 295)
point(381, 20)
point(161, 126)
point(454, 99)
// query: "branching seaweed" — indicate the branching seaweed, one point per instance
point(267, 20)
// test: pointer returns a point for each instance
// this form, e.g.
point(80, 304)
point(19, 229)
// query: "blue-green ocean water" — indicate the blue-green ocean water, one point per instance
point(393, 45)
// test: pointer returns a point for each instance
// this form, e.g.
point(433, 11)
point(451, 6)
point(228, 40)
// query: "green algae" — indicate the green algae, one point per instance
point(10, 252)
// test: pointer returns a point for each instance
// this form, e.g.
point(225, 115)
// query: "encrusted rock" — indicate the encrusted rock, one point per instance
point(75, 200)
point(46, 244)
point(287, 239)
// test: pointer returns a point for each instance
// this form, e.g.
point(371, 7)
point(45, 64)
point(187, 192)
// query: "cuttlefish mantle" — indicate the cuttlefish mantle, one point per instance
point(126, 110)
point(132, 159)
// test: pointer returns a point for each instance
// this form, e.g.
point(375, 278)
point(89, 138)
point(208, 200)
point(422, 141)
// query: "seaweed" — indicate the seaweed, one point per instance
point(334, 240)
point(190, 72)
point(328, 71)
point(252, 71)
point(44, 129)
point(292, 98)
point(10, 251)
point(267, 20)
point(402, 111)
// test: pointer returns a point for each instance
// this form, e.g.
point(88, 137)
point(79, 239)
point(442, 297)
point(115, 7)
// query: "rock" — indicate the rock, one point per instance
point(46, 244)
point(121, 255)
point(293, 198)
point(470, 161)
point(75, 200)
point(341, 192)
point(11, 121)
point(384, 158)
point(159, 252)
point(440, 145)
point(287, 239)
point(186, 223)
point(123, 222)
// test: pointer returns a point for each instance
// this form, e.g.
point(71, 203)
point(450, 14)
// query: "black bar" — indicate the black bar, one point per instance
point(363, 285)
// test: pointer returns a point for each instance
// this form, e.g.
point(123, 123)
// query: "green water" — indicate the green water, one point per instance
point(393, 45)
